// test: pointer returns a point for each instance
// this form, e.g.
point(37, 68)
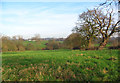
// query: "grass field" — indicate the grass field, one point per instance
point(40, 44)
point(60, 65)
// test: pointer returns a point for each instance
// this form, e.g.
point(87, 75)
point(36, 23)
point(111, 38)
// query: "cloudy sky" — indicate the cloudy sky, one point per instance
point(49, 19)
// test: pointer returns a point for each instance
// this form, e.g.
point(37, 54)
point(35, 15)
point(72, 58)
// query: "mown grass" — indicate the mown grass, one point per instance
point(60, 65)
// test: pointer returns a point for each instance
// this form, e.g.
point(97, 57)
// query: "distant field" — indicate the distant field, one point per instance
point(43, 42)
point(60, 65)
point(109, 44)
point(40, 45)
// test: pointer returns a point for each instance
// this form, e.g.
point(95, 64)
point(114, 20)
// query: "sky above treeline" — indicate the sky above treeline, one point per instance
point(49, 19)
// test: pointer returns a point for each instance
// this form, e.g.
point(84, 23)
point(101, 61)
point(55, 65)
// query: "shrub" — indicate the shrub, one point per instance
point(8, 45)
point(52, 44)
point(30, 47)
point(75, 41)
point(4, 48)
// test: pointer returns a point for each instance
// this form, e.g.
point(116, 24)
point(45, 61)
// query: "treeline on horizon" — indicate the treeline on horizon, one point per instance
point(73, 41)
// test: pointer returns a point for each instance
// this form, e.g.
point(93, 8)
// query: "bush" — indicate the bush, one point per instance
point(21, 48)
point(8, 45)
point(30, 47)
point(19, 44)
point(52, 44)
point(75, 41)
point(4, 48)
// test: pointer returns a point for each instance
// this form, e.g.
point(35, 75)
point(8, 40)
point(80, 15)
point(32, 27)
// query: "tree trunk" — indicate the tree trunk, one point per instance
point(89, 43)
point(103, 44)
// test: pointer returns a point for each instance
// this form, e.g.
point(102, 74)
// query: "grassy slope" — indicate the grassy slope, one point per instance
point(40, 45)
point(43, 42)
point(60, 65)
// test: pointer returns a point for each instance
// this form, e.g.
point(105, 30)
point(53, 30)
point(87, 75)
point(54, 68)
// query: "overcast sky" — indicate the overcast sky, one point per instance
point(49, 19)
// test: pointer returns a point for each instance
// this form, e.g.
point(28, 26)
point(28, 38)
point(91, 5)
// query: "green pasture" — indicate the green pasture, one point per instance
point(60, 65)
point(40, 44)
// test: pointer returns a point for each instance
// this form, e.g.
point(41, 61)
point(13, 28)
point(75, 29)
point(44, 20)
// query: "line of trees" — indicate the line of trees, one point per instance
point(12, 45)
point(73, 41)
point(17, 43)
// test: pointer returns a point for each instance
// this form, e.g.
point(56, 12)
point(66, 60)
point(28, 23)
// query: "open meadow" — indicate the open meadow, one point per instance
point(60, 40)
point(60, 65)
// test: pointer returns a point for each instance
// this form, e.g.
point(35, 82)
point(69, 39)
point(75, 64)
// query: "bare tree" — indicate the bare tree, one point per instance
point(106, 25)
point(96, 21)
point(18, 37)
point(86, 26)
point(111, 4)
point(14, 38)
point(36, 37)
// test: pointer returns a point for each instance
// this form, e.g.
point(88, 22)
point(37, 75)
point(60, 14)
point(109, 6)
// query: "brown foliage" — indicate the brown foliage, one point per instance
point(52, 44)
point(75, 41)
point(9, 44)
